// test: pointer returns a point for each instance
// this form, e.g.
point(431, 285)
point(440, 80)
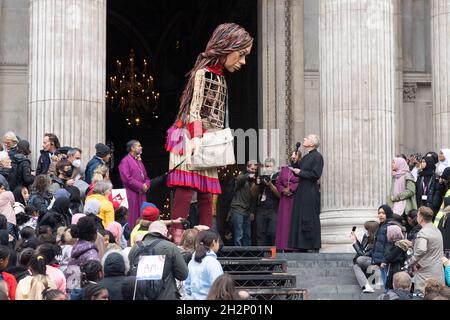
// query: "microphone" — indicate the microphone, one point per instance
point(297, 146)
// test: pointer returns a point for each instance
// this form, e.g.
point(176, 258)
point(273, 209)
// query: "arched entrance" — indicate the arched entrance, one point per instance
point(170, 34)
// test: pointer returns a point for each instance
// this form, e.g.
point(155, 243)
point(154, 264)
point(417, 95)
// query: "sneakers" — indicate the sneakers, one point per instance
point(368, 289)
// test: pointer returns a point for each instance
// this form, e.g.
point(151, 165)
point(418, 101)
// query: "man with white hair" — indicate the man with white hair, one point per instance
point(305, 223)
point(10, 140)
point(5, 166)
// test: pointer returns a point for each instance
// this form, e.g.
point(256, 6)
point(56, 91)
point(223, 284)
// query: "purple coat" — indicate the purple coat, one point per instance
point(286, 179)
point(82, 252)
point(134, 176)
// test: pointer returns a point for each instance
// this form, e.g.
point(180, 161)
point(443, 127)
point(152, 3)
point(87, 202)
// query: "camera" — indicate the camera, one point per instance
point(265, 178)
point(354, 229)
point(186, 224)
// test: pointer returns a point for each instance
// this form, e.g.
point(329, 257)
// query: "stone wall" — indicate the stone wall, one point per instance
point(14, 38)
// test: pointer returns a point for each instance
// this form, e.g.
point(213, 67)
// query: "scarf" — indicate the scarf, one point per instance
point(401, 169)
point(443, 164)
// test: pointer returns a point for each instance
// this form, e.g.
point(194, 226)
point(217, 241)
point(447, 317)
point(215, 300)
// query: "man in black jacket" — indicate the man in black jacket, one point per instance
point(267, 205)
point(50, 144)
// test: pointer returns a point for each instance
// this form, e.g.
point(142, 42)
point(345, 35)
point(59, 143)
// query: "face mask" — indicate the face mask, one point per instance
point(68, 173)
point(76, 163)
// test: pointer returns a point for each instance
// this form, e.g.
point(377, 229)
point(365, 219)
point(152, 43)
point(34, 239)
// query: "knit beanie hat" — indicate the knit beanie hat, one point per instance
point(150, 213)
point(102, 150)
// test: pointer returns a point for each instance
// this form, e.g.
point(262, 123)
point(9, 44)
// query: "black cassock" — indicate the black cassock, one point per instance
point(305, 223)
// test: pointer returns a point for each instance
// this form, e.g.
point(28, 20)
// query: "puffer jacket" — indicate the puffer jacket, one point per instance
point(40, 202)
point(23, 171)
point(380, 243)
point(83, 251)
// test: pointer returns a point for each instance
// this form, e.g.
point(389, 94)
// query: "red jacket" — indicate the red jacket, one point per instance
point(12, 284)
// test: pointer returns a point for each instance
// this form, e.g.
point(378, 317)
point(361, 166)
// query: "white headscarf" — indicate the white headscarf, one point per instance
point(443, 164)
point(92, 207)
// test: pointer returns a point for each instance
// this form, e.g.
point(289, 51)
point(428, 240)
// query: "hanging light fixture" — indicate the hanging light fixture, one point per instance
point(132, 91)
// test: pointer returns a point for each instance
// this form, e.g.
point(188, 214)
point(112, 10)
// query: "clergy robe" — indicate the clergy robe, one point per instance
point(305, 226)
point(133, 176)
point(286, 179)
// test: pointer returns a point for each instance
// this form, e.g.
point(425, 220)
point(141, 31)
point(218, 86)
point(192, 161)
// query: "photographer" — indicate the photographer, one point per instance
point(242, 205)
point(267, 205)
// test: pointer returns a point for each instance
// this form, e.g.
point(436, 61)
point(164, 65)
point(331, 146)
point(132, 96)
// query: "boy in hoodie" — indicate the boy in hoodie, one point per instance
point(115, 269)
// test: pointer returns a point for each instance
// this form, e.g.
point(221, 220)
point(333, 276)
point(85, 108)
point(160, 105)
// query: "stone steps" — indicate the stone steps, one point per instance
point(326, 276)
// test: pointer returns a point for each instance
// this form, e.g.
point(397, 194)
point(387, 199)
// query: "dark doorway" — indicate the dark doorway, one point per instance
point(170, 34)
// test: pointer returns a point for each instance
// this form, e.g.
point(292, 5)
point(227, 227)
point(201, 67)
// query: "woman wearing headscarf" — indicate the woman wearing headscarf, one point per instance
point(403, 189)
point(426, 183)
point(59, 215)
point(396, 252)
point(444, 161)
point(116, 229)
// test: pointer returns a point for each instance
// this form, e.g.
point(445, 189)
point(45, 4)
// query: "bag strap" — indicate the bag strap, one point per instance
point(150, 247)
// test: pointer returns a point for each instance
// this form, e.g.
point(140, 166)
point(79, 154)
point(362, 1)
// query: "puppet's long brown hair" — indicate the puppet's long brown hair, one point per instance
point(227, 38)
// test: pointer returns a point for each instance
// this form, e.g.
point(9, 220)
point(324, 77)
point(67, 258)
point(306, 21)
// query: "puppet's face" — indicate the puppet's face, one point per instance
point(236, 59)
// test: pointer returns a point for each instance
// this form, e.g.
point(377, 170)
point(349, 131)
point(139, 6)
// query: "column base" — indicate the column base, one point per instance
point(337, 225)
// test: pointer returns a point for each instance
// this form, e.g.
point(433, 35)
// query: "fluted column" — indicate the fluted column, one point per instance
point(357, 100)
point(440, 38)
point(281, 66)
point(67, 72)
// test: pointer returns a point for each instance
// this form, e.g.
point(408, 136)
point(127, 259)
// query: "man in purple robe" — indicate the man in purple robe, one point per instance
point(135, 180)
point(287, 184)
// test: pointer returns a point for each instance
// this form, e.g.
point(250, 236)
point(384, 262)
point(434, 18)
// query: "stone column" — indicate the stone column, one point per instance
point(281, 69)
point(358, 94)
point(440, 39)
point(14, 40)
point(67, 73)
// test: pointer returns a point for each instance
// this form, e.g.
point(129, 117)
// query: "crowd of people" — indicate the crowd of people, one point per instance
point(63, 236)
point(406, 251)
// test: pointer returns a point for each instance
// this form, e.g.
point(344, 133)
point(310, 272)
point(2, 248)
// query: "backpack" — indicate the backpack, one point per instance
point(147, 289)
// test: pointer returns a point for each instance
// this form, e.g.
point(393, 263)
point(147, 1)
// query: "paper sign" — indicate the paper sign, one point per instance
point(120, 196)
point(150, 267)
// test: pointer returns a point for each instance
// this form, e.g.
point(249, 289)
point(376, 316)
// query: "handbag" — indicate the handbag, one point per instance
point(216, 149)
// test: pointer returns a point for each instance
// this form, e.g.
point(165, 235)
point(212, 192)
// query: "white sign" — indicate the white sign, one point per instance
point(120, 196)
point(150, 267)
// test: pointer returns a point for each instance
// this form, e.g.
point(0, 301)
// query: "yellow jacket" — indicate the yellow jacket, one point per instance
point(441, 211)
point(106, 208)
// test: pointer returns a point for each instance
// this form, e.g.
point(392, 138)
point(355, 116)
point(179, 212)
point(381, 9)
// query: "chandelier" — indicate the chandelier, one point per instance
point(132, 92)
